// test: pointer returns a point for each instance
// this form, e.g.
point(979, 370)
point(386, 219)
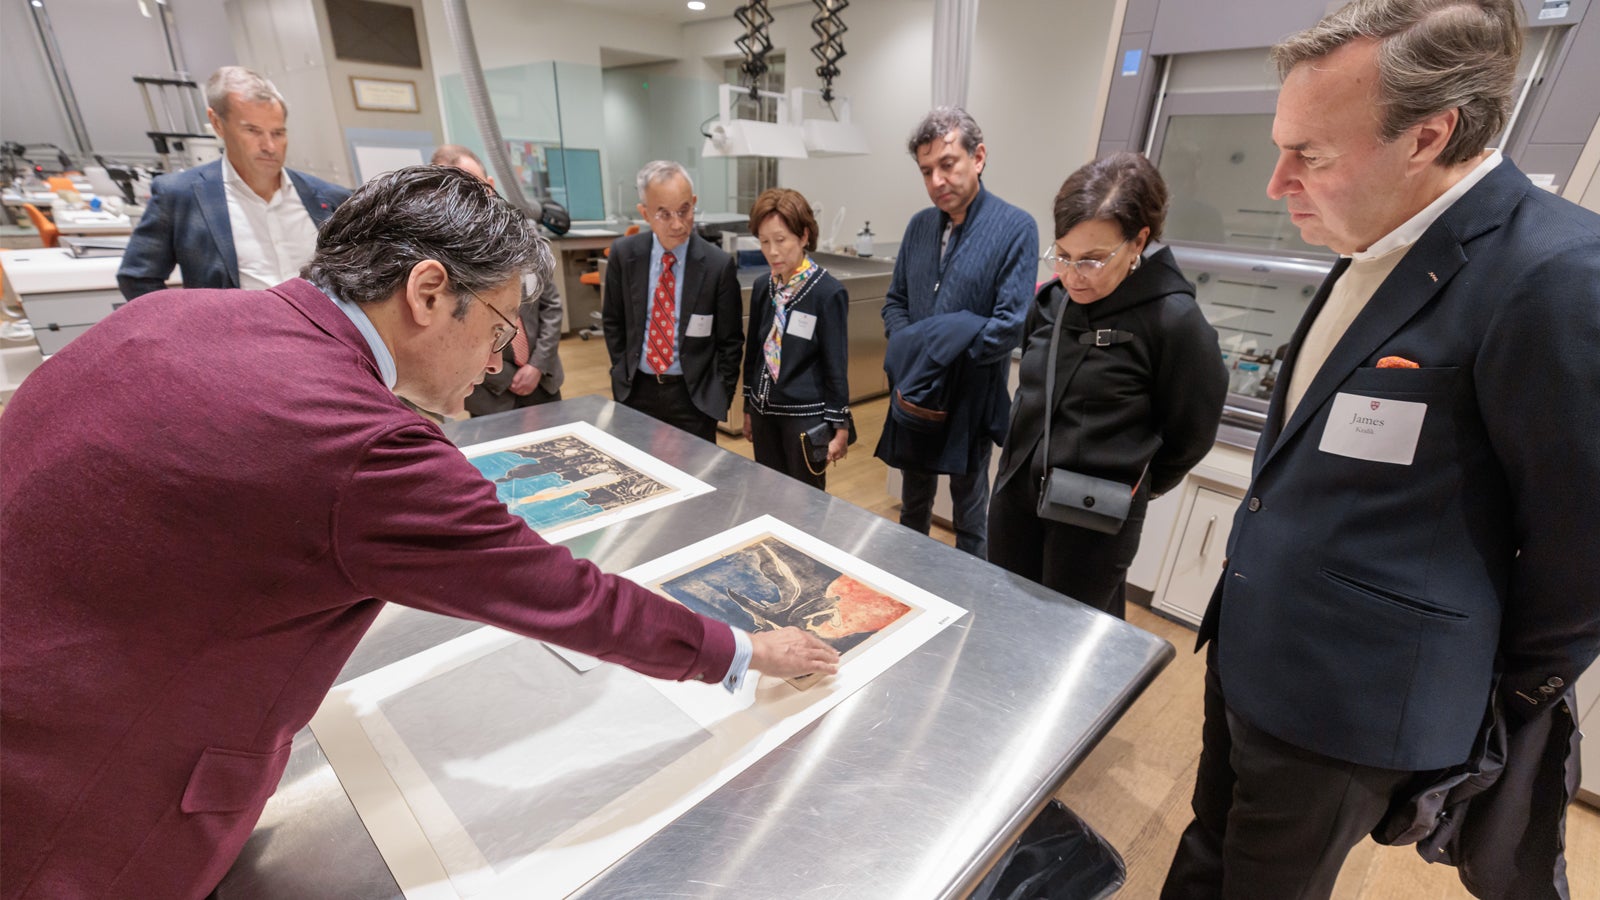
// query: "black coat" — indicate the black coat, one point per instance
point(1154, 397)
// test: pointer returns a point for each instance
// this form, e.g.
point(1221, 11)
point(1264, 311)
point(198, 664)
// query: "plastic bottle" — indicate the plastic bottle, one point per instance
point(864, 241)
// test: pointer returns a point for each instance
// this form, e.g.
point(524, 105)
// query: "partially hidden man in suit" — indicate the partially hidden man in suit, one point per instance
point(243, 221)
point(671, 311)
point(530, 371)
point(1418, 543)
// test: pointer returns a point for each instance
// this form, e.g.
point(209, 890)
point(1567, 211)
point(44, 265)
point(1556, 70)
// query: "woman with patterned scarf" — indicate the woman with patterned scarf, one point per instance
point(795, 353)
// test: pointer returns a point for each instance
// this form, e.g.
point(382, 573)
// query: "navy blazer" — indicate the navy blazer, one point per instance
point(186, 225)
point(710, 288)
point(813, 372)
point(1365, 606)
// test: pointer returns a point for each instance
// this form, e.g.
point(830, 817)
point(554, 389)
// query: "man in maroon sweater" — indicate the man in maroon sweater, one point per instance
point(207, 498)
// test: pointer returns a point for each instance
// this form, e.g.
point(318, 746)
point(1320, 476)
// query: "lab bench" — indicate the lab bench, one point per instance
point(942, 760)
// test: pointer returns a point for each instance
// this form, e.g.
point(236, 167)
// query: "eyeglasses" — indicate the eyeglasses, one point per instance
point(1052, 256)
point(502, 339)
point(685, 214)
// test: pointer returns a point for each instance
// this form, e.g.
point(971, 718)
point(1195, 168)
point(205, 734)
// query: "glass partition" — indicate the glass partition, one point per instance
point(580, 133)
point(1217, 168)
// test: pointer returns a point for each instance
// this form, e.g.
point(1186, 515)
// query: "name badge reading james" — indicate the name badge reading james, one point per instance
point(1373, 428)
point(699, 326)
point(802, 325)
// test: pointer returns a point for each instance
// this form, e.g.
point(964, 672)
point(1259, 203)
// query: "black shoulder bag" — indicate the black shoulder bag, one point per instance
point(1073, 498)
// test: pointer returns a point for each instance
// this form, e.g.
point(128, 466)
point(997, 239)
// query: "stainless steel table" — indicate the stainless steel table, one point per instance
point(911, 787)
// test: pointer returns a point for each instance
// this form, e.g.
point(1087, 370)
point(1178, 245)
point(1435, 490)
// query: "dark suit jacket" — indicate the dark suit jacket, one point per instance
point(710, 288)
point(186, 225)
point(1365, 606)
point(541, 322)
point(148, 699)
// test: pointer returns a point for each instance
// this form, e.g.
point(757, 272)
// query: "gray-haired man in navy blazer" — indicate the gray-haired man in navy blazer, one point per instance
point(671, 311)
point(243, 221)
point(1419, 539)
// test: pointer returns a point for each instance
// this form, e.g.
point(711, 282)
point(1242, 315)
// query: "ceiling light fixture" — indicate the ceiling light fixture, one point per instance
point(696, 5)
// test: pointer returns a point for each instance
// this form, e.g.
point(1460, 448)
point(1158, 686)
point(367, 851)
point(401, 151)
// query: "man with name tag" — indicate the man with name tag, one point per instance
point(1416, 556)
point(956, 303)
point(243, 221)
point(673, 320)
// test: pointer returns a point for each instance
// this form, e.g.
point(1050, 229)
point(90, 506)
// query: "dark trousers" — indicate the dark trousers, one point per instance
point(777, 446)
point(481, 402)
point(1088, 566)
point(969, 497)
point(1271, 819)
point(670, 402)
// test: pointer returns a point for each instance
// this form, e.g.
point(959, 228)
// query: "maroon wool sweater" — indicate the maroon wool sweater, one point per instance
point(204, 502)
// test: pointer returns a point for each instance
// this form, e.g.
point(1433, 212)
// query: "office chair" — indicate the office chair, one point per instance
point(48, 232)
point(593, 278)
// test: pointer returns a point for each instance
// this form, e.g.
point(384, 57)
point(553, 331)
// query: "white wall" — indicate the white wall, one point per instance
point(514, 32)
point(887, 73)
point(1036, 74)
point(1584, 186)
point(104, 45)
point(278, 38)
point(1034, 89)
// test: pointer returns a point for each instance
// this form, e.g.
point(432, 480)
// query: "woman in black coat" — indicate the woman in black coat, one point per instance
point(1139, 382)
point(795, 354)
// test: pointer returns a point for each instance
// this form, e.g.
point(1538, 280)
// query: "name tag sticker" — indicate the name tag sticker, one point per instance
point(802, 325)
point(1373, 428)
point(699, 326)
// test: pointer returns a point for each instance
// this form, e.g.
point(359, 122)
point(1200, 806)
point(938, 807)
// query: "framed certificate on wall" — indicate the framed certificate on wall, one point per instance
point(385, 94)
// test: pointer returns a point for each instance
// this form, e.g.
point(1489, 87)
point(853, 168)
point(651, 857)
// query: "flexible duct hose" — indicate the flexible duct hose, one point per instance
point(542, 210)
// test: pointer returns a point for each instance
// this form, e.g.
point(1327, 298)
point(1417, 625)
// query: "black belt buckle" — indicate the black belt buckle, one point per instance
point(1103, 337)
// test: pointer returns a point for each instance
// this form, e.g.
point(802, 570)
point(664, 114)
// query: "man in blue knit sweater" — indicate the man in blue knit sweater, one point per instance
point(970, 255)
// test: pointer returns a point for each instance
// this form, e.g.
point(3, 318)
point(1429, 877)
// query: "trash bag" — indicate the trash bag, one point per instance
point(1058, 857)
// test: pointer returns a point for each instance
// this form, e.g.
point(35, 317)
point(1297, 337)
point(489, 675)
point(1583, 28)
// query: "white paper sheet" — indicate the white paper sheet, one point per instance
point(485, 768)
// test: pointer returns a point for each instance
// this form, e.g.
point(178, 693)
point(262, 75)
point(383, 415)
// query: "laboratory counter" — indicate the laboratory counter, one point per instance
point(912, 786)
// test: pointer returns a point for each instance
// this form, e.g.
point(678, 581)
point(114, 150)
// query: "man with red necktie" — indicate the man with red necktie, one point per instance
point(672, 312)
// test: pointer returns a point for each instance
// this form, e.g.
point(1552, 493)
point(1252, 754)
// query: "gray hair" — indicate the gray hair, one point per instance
point(1433, 56)
point(450, 154)
point(942, 120)
point(658, 171)
point(250, 85)
point(367, 249)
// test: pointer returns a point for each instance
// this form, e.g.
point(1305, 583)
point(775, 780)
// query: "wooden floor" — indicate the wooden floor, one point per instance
point(1134, 788)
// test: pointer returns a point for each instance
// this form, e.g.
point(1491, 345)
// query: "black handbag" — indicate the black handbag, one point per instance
point(814, 443)
point(1073, 498)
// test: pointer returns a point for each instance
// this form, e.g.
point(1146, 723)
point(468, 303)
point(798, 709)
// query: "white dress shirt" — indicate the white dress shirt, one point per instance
point(271, 238)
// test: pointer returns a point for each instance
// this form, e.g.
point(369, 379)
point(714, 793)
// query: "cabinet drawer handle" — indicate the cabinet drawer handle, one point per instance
point(1205, 542)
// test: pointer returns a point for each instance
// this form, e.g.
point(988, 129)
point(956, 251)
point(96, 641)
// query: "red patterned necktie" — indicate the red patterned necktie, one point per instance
point(663, 334)
point(519, 348)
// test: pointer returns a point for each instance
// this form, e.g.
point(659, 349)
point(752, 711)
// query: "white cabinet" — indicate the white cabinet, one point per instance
point(1194, 560)
point(1588, 692)
point(1191, 551)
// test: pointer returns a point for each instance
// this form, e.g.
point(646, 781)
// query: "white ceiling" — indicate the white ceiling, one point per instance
point(668, 10)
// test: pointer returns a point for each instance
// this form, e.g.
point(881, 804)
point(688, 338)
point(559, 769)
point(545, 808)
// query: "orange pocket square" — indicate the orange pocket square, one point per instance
point(1397, 362)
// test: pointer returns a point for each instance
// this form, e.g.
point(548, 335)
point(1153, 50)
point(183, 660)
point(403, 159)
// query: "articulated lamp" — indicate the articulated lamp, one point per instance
point(729, 136)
